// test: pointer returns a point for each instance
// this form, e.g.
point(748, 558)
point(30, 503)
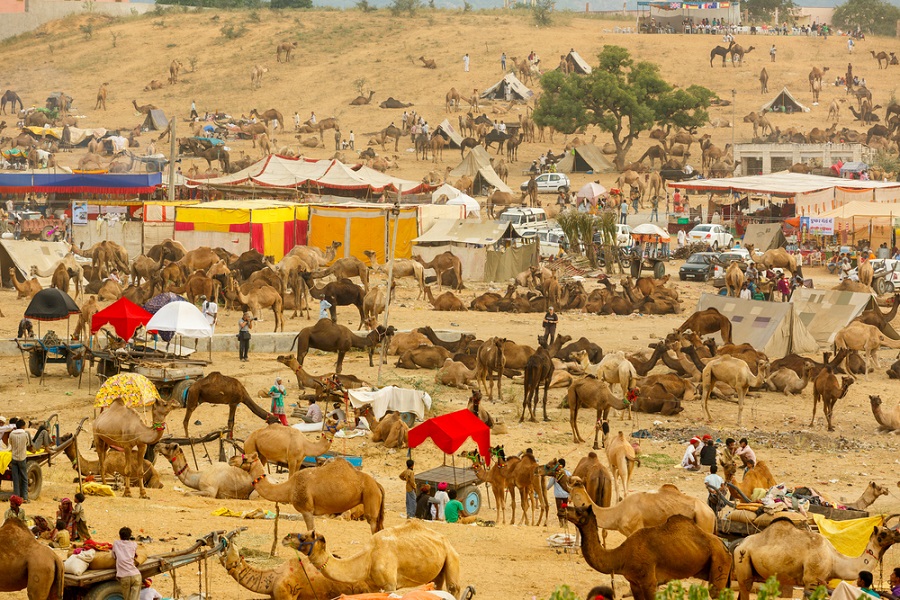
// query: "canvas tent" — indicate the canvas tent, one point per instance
point(771, 327)
point(784, 101)
point(825, 312)
point(156, 120)
point(580, 65)
point(23, 254)
point(477, 165)
point(583, 159)
point(360, 227)
point(488, 250)
point(508, 88)
point(764, 236)
point(446, 129)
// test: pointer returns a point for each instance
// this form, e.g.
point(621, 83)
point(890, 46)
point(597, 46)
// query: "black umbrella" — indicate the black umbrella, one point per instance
point(51, 305)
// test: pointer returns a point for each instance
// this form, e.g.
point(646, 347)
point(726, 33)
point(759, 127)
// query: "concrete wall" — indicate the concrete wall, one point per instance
point(38, 12)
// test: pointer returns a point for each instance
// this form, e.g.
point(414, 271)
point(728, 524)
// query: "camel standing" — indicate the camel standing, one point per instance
point(538, 371)
point(588, 392)
point(827, 388)
point(215, 388)
point(734, 372)
point(279, 444)
point(865, 339)
point(622, 459)
point(734, 278)
point(101, 96)
point(442, 263)
point(490, 361)
point(403, 267)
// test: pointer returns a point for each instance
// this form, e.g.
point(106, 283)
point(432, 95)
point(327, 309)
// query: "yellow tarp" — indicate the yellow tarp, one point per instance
point(92, 488)
point(361, 228)
point(848, 537)
point(5, 459)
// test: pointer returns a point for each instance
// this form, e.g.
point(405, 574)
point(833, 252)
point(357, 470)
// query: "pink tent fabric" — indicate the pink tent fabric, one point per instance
point(450, 431)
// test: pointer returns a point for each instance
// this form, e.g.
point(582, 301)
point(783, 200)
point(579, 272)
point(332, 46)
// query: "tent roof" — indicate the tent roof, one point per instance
point(445, 190)
point(764, 236)
point(51, 304)
point(771, 327)
point(854, 167)
point(778, 184)
point(863, 209)
point(449, 432)
point(124, 315)
point(581, 65)
point(291, 173)
point(180, 317)
point(784, 98)
point(156, 119)
point(586, 157)
point(650, 229)
point(517, 88)
point(483, 233)
point(477, 162)
point(455, 138)
point(471, 204)
point(249, 204)
point(124, 184)
point(825, 312)
point(44, 255)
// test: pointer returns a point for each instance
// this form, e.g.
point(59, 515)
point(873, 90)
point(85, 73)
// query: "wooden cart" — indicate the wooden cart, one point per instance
point(35, 462)
point(464, 481)
point(171, 376)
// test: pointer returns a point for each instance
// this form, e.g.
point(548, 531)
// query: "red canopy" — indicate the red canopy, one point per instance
point(124, 315)
point(450, 431)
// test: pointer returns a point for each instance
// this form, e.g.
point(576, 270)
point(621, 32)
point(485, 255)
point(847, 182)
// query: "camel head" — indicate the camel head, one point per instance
point(877, 490)
point(581, 516)
point(846, 382)
point(876, 401)
point(884, 538)
point(290, 361)
point(303, 542)
point(232, 557)
point(169, 450)
point(244, 461)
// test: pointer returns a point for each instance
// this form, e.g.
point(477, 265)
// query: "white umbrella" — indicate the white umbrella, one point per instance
point(180, 317)
point(591, 191)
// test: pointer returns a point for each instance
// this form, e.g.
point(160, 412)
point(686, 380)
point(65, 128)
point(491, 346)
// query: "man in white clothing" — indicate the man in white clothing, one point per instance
point(210, 310)
point(689, 461)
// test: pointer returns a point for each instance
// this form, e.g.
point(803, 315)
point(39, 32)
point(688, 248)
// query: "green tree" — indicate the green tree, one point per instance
point(621, 97)
point(291, 4)
point(764, 10)
point(542, 12)
point(871, 16)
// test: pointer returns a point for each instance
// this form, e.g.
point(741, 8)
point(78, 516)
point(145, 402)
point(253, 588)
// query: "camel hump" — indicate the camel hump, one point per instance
point(668, 487)
point(592, 455)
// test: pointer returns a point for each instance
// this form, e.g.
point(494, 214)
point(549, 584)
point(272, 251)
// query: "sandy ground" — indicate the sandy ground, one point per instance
point(504, 561)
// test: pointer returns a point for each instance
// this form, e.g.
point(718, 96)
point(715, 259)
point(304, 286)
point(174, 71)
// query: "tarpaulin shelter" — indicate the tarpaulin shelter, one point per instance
point(360, 227)
point(155, 120)
point(23, 254)
point(449, 432)
point(508, 88)
point(648, 232)
point(316, 176)
point(154, 304)
point(584, 159)
point(446, 129)
point(124, 315)
point(771, 327)
point(785, 102)
point(477, 165)
point(764, 236)
point(392, 398)
point(488, 250)
point(42, 182)
point(825, 312)
point(134, 389)
point(272, 227)
point(580, 65)
point(51, 304)
point(852, 168)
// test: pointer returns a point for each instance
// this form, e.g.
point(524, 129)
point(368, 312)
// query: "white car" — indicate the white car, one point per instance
point(549, 183)
point(717, 236)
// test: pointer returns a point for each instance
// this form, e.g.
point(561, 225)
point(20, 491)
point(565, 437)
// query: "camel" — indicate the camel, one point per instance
point(284, 48)
point(621, 457)
point(28, 288)
point(735, 373)
point(402, 267)
point(779, 258)
point(402, 556)
point(256, 74)
point(424, 357)
point(881, 56)
point(339, 293)
point(588, 392)
point(763, 81)
point(216, 388)
point(615, 368)
point(455, 374)
point(220, 480)
point(442, 263)
point(756, 477)
point(115, 463)
point(497, 478)
point(887, 421)
point(259, 298)
point(331, 337)
point(12, 98)
point(490, 363)
point(101, 96)
point(788, 382)
point(734, 278)
point(122, 427)
point(332, 488)
point(362, 100)
point(26, 564)
point(319, 383)
point(428, 63)
point(143, 109)
point(407, 340)
point(294, 579)
point(872, 492)
point(720, 51)
point(797, 557)
point(174, 69)
point(538, 371)
point(708, 321)
point(154, 85)
point(269, 116)
point(445, 302)
point(279, 444)
point(522, 473)
point(865, 339)
point(345, 268)
point(452, 100)
point(827, 388)
point(104, 256)
point(737, 54)
point(674, 550)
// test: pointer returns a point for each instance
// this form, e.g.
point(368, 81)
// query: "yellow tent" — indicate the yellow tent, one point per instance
point(361, 227)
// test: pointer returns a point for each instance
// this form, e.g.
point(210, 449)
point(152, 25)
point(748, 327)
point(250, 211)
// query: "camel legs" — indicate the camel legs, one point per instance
point(310, 521)
point(340, 361)
point(815, 403)
point(742, 394)
point(573, 421)
point(546, 390)
point(828, 408)
point(101, 454)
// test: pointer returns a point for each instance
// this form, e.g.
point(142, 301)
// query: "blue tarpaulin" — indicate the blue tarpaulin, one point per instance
point(80, 183)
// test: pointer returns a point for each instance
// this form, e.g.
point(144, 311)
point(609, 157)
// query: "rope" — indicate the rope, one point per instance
point(302, 568)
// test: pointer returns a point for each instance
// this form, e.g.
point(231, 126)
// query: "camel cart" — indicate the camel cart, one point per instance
point(51, 304)
point(102, 584)
point(649, 250)
point(449, 432)
point(34, 463)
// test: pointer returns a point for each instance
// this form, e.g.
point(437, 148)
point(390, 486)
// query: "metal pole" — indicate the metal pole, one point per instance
point(173, 148)
point(395, 212)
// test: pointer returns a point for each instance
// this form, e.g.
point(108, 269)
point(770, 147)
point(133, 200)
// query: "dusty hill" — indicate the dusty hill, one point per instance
point(336, 49)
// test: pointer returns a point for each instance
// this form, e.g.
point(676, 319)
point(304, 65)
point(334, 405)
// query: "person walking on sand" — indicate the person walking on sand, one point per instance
point(245, 324)
point(409, 476)
point(623, 212)
point(551, 319)
point(19, 441)
point(503, 62)
point(466, 62)
point(772, 52)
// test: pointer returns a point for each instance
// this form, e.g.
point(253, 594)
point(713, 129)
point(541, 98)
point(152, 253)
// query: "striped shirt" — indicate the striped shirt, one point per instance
point(19, 440)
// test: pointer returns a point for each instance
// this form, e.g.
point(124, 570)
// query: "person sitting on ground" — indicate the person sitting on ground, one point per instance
point(708, 452)
point(26, 329)
point(746, 455)
point(714, 486)
point(689, 461)
point(337, 413)
point(423, 504)
point(454, 511)
point(147, 592)
point(313, 413)
point(15, 510)
point(440, 500)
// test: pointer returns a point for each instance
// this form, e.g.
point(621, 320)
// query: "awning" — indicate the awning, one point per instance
point(124, 315)
point(867, 210)
point(79, 183)
point(392, 398)
point(180, 317)
point(778, 184)
point(484, 233)
point(449, 432)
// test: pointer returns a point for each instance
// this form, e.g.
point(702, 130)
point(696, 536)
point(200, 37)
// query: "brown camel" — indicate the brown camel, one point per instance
point(333, 488)
point(445, 302)
point(331, 337)
point(827, 388)
point(734, 278)
point(105, 256)
point(115, 463)
point(446, 261)
point(319, 383)
point(882, 56)
point(452, 100)
point(708, 321)
point(756, 477)
point(797, 557)
point(339, 293)
point(588, 392)
point(876, 318)
point(28, 288)
point(101, 96)
point(779, 258)
point(455, 374)
point(216, 388)
point(872, 492)
point(424, 357)
point(865, 339)
point(122, 427)
point(402, 268)
point(887, 421)
point(73, 269)
point(345, 268)
point(428, 63)
point(316, 258)
point(257, 299)
point(391, 431)
point(26, 564)
point(279, 444)
point(402, 556)
point(538, 371)
point(788, 382)
point(143, 109)
point(490, 363)
point(362, 100)
point(497, 477)
point(219, 480)
point(735, 373)
point(284, 48)
point(677, 549)
point(591, 474)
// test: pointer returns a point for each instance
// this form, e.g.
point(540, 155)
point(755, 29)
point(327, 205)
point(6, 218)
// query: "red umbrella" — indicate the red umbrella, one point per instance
point(124, 315)
point(450, 431)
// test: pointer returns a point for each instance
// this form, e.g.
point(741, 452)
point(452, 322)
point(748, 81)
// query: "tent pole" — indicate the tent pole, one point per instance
point(172, 157)
point(395, 212)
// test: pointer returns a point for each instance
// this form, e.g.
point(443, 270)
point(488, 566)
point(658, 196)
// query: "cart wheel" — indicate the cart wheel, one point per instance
point(471, 499)
point(179, 391)
point(659, 270)
point(35, 480)
point(879, 286)
point(636, 268)
point(108, 590)
point(74, 364)
point(888, 287)
point(36, 362)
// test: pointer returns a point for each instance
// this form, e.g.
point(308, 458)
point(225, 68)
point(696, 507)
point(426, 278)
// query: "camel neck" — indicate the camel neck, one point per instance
point(595, 555)
point(343, 570)
point(252, 578)
point(183, 472)
point(846, 567)
point(274, 492)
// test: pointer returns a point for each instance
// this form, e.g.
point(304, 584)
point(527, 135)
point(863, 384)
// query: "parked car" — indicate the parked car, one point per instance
point(739, 254)
point(699, 266)
point(717, 236)
point(551, 241)
point(550, 183)
point(623, 236)
point(524, 219)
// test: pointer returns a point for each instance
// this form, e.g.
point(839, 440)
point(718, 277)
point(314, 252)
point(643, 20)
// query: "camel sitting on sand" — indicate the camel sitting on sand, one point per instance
point(219, 480)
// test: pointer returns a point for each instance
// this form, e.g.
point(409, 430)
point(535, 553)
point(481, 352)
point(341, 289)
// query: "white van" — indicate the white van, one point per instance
point(551, 241)
point(525, 218)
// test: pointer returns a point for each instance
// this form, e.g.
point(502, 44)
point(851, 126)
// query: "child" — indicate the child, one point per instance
point(454, 511)
point(148, 593)
point(409, 477)
point(82, 532)
point(124, 550)
point(58, 536)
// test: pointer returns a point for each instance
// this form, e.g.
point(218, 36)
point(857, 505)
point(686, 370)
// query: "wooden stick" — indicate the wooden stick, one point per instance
point(275, 533)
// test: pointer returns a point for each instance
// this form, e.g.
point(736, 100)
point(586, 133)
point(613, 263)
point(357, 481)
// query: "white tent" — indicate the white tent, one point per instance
point(473, 209)
point(508, 88)
point(784, 102)
point(445, 190)
point(825, 312)
point(651, 229)
point(180, 317)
